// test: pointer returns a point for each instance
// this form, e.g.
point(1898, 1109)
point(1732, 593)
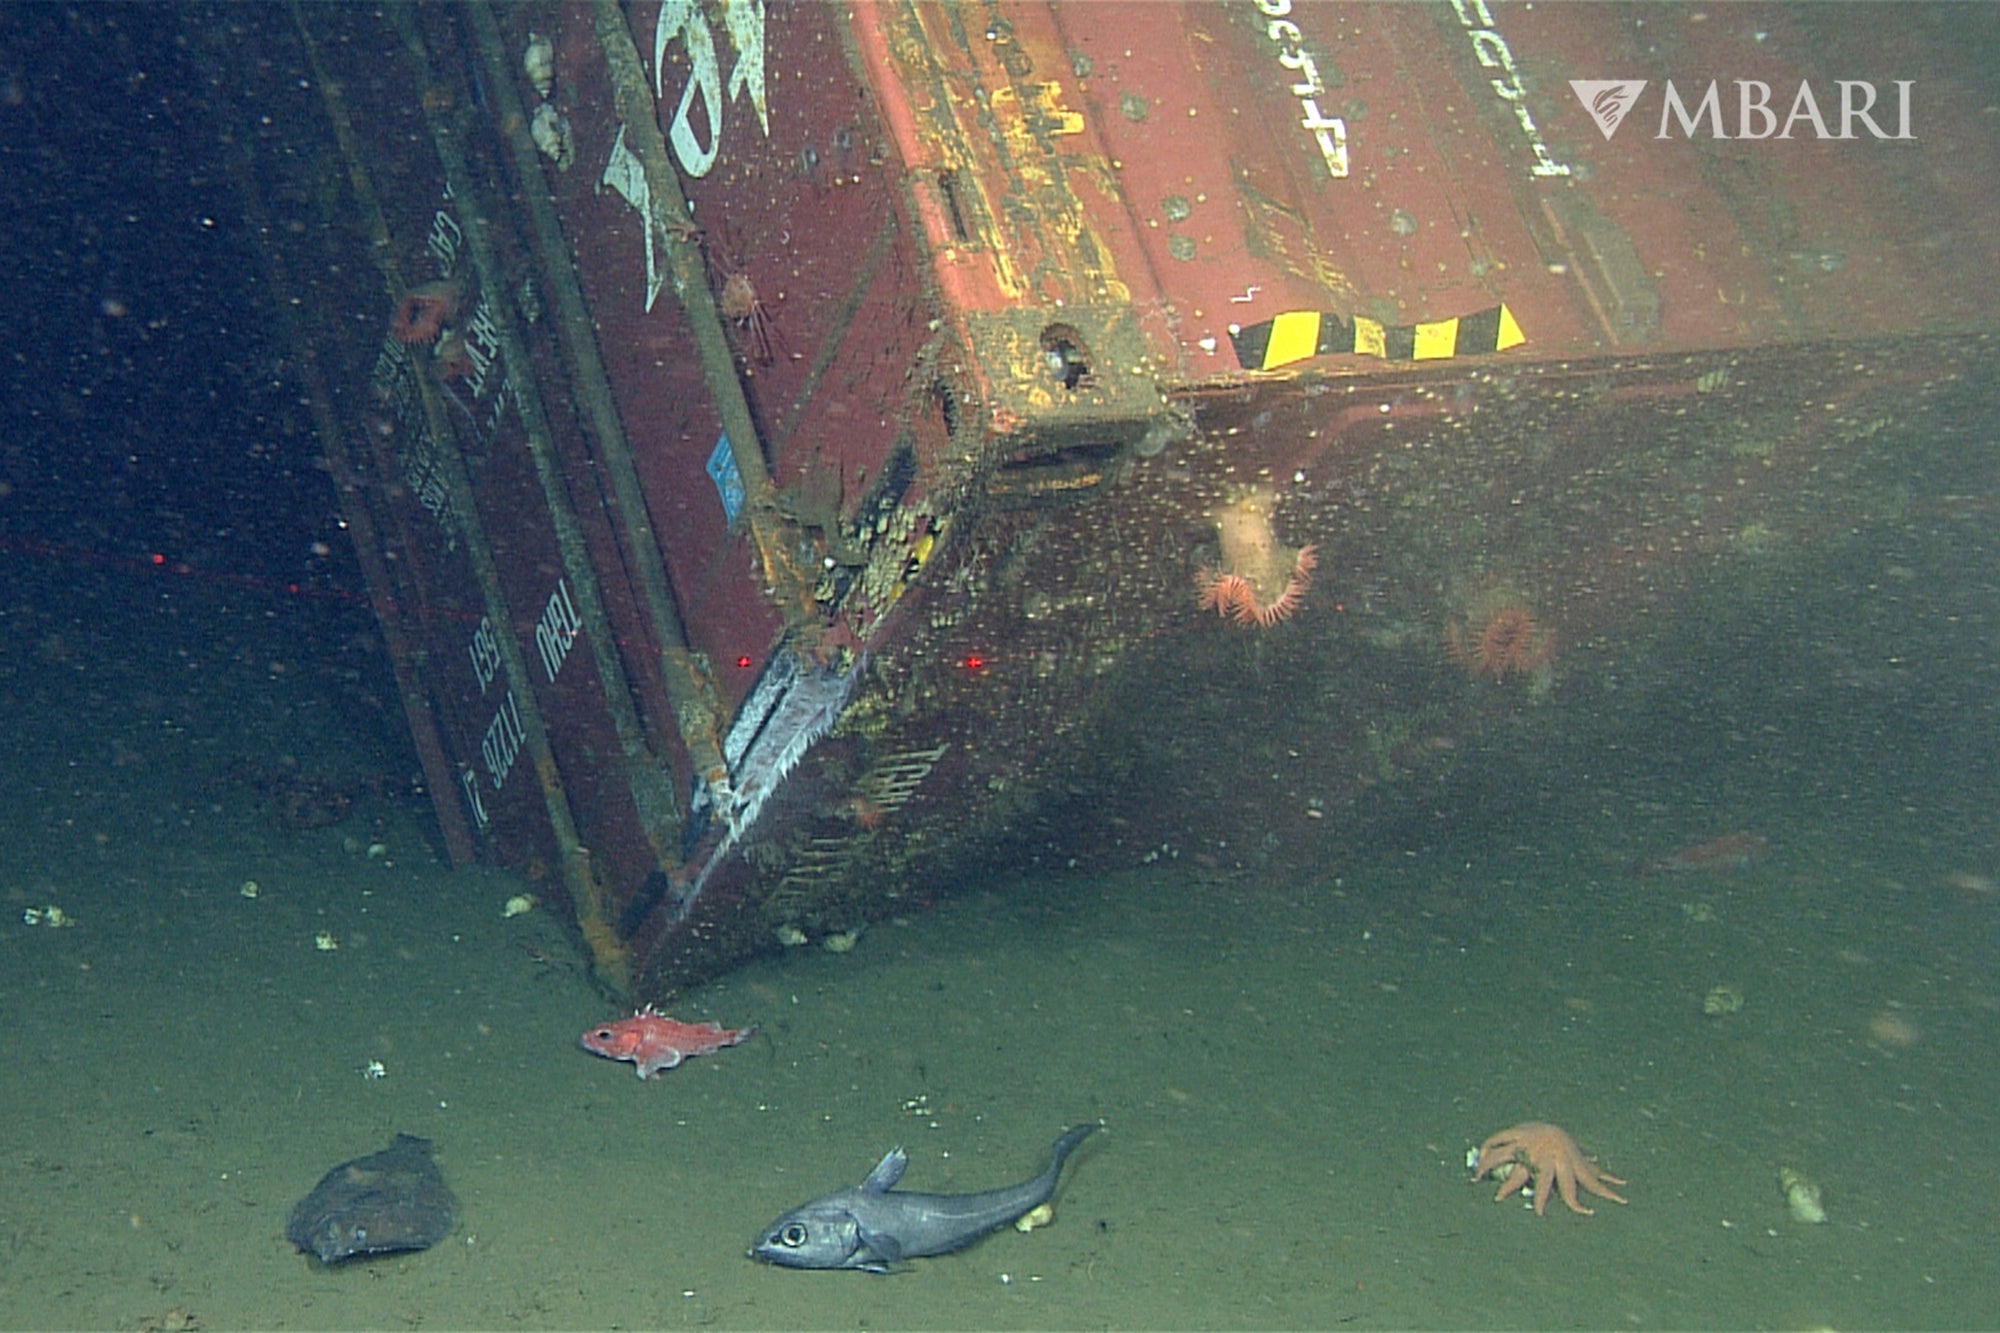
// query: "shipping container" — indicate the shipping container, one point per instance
point(805, 454)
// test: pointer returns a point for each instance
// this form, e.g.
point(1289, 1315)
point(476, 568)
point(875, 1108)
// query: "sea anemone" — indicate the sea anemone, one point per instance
point(1499, 637)
point(1259, 581)
point(423, 312)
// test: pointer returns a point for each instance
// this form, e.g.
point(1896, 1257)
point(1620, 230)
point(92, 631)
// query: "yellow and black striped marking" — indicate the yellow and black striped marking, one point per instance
point(1298, 334)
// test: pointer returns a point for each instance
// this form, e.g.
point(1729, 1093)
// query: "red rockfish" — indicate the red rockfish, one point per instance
point(1726, 855)
point(652, 1041)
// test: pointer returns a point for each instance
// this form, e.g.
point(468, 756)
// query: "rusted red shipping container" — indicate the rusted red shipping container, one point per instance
point(801, 452)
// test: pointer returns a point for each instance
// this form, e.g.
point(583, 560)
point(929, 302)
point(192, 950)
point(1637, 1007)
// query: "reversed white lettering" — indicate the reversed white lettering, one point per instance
point(484, 649)
point(1329, 133)
point(896, 778)
point(502, 743)
point(392, 383)
point(1492, 52)
point(683, 20)
point(475, 799)
point(624, 173)
point(555, 632)
point(444, 240)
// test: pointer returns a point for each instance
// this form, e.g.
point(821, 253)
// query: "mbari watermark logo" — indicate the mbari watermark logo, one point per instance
point(1606, 102)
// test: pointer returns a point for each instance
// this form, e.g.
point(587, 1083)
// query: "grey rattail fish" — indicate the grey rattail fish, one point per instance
point(873, 1227)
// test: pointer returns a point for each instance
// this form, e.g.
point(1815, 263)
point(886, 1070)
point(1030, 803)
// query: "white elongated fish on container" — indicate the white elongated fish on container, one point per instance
point(551, 133)
point(538, 62)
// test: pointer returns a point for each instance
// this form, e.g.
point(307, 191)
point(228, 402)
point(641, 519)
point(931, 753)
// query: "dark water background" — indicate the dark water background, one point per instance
point(1290, 1069)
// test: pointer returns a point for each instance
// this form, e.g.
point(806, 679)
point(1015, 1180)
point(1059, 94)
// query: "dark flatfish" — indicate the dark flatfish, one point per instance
point(395, 1199)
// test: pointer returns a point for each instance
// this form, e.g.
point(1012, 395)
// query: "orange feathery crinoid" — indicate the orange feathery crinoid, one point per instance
point(1259, 582)
point(1500, 640)
point(424, 311)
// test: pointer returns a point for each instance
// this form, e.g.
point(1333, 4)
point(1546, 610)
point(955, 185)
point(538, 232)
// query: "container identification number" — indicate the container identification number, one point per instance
point(1328, 132)
point(1493, 53)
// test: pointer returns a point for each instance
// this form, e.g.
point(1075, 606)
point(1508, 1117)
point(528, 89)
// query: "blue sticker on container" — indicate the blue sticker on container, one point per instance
point(728, 481)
